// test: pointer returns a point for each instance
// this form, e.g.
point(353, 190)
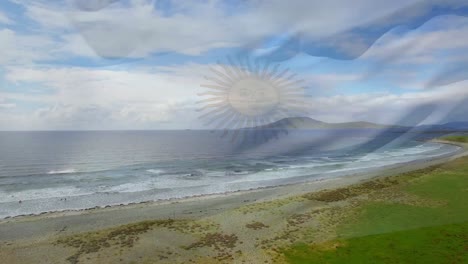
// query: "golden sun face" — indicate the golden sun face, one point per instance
point(253, 97)
point(250, 95)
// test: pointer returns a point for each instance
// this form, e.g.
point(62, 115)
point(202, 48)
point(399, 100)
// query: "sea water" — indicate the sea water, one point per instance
point(53, 171)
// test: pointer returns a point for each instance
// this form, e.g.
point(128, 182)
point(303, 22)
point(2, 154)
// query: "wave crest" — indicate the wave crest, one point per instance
point(65, 171)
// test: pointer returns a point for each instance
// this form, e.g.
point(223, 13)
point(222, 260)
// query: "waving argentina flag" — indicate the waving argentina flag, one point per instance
point(233, 131)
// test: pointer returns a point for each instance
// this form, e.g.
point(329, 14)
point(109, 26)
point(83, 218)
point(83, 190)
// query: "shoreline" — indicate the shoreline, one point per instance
point(48, 224)
point(360, 174)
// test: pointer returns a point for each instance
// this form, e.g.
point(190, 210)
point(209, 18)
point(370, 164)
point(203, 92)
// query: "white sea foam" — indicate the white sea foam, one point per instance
point(64, 171)
point(155, 171)
point(315, 165)
point(43, 193)
point(133, 187)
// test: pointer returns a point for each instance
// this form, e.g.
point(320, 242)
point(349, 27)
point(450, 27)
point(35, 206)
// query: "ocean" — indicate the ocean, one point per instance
point(71, 170)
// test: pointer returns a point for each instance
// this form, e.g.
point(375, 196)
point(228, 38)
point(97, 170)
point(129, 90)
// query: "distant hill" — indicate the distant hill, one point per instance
point(452, 126)
point(309, 123)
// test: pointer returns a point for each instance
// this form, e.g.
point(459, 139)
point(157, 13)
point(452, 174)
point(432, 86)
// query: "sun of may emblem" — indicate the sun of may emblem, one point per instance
point(250, 94)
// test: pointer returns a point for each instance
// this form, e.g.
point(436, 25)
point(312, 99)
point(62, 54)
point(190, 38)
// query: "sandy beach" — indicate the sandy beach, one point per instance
point(222, 228)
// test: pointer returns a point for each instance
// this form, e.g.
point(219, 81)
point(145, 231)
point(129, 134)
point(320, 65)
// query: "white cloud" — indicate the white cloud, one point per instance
point(6, 106)
point(140, 97)
point(24, 49)
point(47, 17)
point(98, 86)
point(115, 97)
point(4, 19)
point(423, 45)
point(387, 108)
point(137, 29)
point(166, 97)
point(326, 83)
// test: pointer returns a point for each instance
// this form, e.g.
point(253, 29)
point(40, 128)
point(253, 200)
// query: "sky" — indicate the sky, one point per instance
point(143, 64)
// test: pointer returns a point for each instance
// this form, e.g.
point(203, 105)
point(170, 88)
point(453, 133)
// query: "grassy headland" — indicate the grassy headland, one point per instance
point(457, 138)
point(426, 223)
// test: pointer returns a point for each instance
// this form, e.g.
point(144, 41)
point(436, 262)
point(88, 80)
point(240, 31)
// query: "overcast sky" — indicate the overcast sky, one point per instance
point(139, 64)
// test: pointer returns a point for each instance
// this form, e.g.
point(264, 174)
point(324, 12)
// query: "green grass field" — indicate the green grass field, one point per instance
point(459, 138)
point(438, 244)
point(392, 232)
